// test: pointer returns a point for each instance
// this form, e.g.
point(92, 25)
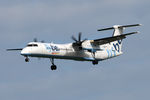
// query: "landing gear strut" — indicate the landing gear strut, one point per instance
point(95, 62)
point(53, 66)
point(26, 59)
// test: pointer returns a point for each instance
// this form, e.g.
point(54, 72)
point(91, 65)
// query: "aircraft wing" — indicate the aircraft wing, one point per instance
point(111, 39)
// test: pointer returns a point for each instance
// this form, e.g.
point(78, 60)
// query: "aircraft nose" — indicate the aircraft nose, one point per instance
point(25, 52)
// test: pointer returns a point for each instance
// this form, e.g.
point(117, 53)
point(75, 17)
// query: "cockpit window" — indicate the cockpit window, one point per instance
point(32, 45)
point(35, 45)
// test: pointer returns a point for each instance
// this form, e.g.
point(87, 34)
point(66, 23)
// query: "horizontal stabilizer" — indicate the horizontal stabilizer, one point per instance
point(131, 25)
point(104, 29)
point(111, 39)
point(118, 26)
point(14, 49)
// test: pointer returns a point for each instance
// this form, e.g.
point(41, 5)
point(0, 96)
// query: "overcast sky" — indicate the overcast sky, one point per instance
point(123, 78)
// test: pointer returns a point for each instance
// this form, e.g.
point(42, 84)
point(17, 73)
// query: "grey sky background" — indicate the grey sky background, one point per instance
point(122, 78)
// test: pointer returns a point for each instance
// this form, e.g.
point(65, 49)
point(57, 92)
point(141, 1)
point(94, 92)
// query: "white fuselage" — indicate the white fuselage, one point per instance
point(89, 52)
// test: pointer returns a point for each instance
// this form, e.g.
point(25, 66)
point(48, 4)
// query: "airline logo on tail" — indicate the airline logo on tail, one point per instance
point(117, 45)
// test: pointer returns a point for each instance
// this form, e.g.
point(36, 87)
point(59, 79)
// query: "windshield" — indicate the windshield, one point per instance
point(32, 45)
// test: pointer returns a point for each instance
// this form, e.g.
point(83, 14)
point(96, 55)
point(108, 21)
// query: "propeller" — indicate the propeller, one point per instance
point(78, 42)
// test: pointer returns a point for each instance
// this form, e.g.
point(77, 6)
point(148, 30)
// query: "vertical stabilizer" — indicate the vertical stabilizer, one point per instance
point(118, 44)
point(118, 30)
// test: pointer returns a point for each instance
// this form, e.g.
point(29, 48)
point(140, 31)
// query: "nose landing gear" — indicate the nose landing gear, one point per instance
point(53, 66)
point(26, 59)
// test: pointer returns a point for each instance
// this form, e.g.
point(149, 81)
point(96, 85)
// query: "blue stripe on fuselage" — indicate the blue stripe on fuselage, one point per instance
point(61, 57)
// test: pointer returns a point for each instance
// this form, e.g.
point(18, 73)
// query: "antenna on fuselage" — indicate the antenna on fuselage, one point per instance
point(36, 40)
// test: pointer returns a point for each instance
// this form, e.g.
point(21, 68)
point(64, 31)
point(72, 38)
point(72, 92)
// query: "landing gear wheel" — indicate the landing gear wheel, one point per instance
point(27, 59)
point(95, 62)
point(53, 67)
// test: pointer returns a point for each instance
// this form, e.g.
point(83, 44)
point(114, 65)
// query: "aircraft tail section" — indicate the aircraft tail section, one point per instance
point(118, 29)
point(118, 35)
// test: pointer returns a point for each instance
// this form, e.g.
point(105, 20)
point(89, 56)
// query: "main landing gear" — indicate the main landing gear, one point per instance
point(53, 66)
point(95, 62)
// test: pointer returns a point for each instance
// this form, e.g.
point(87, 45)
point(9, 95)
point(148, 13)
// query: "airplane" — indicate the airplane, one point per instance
point(80, 50)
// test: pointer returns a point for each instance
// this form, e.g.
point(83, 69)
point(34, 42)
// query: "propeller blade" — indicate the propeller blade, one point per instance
point(73, 38)
point(79, 37)
point(14, 49)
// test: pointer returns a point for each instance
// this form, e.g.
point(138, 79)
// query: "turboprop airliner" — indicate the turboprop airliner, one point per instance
point(80, 50)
